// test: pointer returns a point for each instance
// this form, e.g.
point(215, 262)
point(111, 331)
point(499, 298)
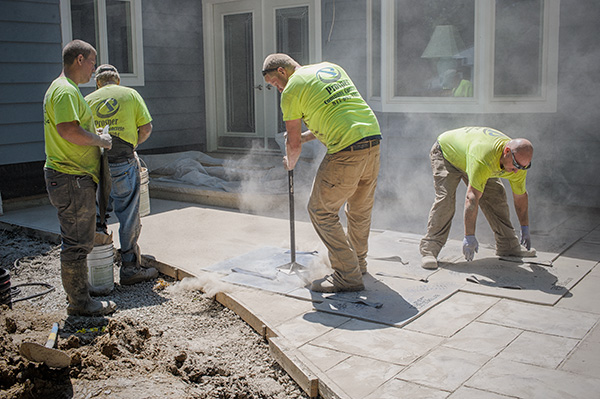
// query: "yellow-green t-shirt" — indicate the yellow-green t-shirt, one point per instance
point(477, 151)
point(120, 107)
point(325, 97)
point(63, 102)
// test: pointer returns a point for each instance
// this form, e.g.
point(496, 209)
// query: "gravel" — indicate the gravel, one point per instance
point(168, 339)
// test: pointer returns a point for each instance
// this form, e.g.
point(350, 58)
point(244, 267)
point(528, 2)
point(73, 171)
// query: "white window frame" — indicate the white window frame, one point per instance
point(127, 79)
point(483, 74)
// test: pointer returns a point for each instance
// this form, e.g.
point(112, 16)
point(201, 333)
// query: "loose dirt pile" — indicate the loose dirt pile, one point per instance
point(165, 341)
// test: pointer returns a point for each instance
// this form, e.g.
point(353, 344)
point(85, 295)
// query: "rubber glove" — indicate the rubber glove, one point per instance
point(105, 137)
point(470, 246)
point(525, 237)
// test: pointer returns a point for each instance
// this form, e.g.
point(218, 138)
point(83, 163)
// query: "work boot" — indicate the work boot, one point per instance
point(429, 262)
point(132, 273)
point(74, 276)
point(326, 284)
point(520, 252)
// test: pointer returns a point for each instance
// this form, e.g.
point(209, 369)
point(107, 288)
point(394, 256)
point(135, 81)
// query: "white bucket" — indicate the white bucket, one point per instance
point(144, 192)
point(100, 269)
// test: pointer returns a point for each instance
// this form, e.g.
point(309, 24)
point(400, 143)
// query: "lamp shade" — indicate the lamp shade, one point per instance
point(445, 42)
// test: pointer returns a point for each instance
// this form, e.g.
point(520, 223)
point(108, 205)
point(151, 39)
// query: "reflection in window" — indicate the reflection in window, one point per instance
point(518, 48)
point(292, 33)
point(239, 72)
point(83, 20)
point(120, 41)
point(292, 39)
point(434, 48)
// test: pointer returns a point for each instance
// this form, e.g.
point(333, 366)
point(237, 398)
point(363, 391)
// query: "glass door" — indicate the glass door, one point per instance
point(238, 48)
point(245, 110)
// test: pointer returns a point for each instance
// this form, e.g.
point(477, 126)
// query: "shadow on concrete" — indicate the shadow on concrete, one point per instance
point(506, 275)
point(378, 304)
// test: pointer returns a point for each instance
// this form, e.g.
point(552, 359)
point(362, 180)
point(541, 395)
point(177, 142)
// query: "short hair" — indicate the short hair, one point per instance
point(274, 61)
point(74, 48)
point(106, 73)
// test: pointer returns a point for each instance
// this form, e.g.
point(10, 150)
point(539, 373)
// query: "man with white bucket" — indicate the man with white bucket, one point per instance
point(124, 110)
point(72, 173)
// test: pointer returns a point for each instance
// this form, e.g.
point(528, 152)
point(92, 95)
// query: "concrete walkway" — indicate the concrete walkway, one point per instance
point(469, 345)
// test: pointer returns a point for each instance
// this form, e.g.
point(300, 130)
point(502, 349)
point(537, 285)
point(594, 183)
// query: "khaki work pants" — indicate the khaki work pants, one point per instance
point(493, 204)
point(348, 177)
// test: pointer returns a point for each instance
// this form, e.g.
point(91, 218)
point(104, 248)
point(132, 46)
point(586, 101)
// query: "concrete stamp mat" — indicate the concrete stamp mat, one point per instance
point(259, 269)
point(386, 300)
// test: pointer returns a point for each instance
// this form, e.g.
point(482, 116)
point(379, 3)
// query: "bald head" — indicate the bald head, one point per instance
point(522, 147)
point(522, 151)
point(274, 61)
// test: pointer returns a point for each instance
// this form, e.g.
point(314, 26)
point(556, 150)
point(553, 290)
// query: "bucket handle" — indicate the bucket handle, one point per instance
point(140, 161)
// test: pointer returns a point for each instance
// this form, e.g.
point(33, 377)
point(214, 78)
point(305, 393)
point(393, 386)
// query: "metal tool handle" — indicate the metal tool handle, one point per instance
point(52, 337)
point(292, 229)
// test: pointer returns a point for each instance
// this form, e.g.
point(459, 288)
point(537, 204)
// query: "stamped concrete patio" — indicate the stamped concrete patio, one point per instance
point(494, 328)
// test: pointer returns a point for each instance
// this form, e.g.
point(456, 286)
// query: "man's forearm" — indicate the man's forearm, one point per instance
point(471, 209)
point(293, 154)
point(144, 132)
point(74, 133)
point(307, 136)
point(522, 208)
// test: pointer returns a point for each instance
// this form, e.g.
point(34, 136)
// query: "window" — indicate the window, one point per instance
point(114, 28)
point(463, 56)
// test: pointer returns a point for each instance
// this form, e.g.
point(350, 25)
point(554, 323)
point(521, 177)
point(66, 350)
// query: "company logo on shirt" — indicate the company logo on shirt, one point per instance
point(107, 108)
point(328, 75)
point(493, 133)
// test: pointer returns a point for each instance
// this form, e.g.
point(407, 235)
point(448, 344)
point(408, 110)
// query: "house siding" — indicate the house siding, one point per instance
point(30, 45)
point(566, 142)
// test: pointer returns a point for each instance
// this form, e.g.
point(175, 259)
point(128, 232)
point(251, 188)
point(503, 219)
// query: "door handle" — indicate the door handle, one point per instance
point(258, 87)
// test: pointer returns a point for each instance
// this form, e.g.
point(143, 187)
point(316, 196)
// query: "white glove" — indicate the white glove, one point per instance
point(470, 246)
point(105, 137)
point(525, 237)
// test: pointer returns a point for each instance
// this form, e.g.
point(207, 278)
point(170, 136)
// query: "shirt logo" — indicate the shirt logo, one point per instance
point(493, 133)
point(107, 108)
point(328, 75)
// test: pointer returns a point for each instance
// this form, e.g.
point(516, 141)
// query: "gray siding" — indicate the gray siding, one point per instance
point(173, 58)
point(30, 44)
point(345, 44)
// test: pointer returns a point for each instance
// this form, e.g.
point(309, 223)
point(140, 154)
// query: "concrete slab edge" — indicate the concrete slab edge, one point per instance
point(319, 385)
point(44, 235)
point(289, 358)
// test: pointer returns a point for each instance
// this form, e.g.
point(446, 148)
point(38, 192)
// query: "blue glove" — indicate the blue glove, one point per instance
point(525, 237)
point(470, 246)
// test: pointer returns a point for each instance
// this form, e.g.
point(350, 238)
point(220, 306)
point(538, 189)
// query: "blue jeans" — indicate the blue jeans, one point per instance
point(125, 201)
point(74, 197)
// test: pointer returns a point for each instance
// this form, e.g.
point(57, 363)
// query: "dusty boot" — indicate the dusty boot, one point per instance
point(132, 273)
point(429, 262)
point(327, 284)
point(75, 282)
point(519, 252)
